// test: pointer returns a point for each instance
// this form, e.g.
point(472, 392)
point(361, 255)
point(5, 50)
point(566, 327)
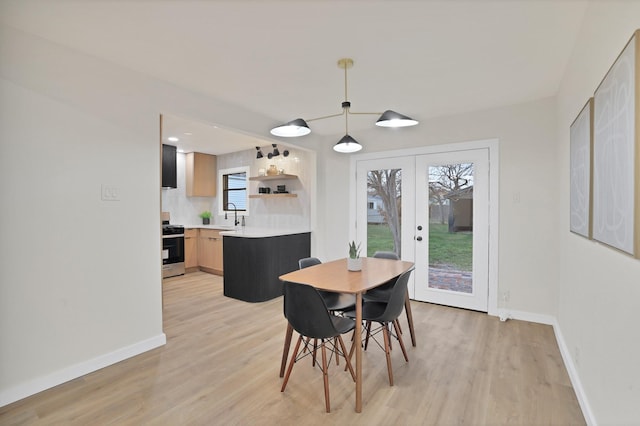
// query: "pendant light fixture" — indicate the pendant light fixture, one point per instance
point(347, 144)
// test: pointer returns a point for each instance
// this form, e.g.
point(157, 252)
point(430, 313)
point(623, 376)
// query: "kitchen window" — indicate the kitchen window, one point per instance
point(234, 183)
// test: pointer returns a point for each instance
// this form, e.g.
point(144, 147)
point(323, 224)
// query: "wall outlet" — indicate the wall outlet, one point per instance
point(506, 296)
point(110, 193)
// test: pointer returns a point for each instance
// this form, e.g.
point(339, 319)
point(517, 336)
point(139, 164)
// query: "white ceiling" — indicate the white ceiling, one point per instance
point(278, 58)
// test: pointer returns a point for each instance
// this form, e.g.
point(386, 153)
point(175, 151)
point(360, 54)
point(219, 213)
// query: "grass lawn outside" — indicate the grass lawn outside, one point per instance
point(446, 250)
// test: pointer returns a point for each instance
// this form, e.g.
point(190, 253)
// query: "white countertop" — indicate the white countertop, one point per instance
point(248, 231)
point(253, 232)
point(219, 227)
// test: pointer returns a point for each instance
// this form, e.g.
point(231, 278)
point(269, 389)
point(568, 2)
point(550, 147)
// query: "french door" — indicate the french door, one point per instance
point(432, 209)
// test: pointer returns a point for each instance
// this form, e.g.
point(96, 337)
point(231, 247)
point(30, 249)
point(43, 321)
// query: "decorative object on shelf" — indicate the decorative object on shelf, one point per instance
point(347, 144)
point(354, 262)
point(276, 152)
point(206, 217)
point(281, 189)
point(272, 170)
point(262, 172)
point(259, 154)
point(264, 190)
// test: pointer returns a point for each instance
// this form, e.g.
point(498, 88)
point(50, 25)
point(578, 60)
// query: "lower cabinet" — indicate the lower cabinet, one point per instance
point(210, 257)
point(191, 248)
point(254, 265)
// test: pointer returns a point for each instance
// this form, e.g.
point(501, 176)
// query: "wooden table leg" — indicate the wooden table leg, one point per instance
point(285, 349)
point(358, 343)
point(407, 309)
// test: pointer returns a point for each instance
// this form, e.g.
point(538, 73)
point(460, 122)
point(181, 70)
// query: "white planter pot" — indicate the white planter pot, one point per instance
point(354, 264)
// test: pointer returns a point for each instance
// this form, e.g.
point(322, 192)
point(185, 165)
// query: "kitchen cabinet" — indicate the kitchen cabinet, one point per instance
point(169, 169)
point(200, 174)
point(191, 248)
point(253, 265)
point(210, 251)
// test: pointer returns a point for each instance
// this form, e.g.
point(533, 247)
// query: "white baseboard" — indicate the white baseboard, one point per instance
point(72, 372)
point(507, 314)
point(574, 377)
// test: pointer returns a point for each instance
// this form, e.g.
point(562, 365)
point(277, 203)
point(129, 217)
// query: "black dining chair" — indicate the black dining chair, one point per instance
point(308, 314)
point(383, 292)
point(386, 315)
point(336, 302)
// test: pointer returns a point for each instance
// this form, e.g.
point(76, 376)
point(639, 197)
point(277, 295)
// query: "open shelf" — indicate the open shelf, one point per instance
point(273, 195)
point(273, 177)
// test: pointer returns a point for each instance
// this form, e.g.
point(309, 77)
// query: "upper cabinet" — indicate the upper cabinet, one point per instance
point(200, 176)
point(169, 172)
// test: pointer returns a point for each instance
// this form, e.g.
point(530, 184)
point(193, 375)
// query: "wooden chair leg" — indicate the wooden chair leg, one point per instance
point(398, 329)
point(385, 332)
point(285, 349)
point(293, 361)
point(335, 345)
point(404, 351)
point(346, 358)
point(407, 310)
point(325, 373)
point(354, 342)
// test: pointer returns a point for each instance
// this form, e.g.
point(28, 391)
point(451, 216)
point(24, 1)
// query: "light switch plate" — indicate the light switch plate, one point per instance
point(110, 193)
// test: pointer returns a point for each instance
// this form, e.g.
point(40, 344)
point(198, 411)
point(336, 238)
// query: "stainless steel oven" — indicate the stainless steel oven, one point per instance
point(172, 250)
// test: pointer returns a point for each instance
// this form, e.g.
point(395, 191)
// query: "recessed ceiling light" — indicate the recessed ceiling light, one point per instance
point(172, 139)
point(188, 133)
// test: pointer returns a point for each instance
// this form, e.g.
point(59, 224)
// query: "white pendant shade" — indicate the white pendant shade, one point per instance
point(347, 145)
point(393, 119)
point(292, 129)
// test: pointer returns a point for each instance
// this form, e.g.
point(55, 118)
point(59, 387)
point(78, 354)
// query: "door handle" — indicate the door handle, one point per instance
point(419, 238)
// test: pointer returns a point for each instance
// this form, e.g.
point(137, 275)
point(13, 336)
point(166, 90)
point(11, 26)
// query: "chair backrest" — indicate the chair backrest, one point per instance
point(396, 300)
point(306, 311)
point(308, 261)
point(386, 255)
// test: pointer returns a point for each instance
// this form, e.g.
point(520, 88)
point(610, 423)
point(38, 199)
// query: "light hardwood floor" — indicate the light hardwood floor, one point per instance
point(221, 362)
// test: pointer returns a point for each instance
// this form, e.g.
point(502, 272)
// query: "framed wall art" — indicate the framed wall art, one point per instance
point(581, 148)
point(616, 153)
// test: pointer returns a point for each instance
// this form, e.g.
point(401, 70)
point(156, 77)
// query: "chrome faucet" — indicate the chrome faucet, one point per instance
point(235, 214)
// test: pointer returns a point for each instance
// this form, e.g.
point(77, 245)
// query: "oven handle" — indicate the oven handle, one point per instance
point(172, 236)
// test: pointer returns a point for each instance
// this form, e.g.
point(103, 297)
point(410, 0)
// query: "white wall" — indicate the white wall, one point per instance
point(528, 264)
point(80, 278)
point(599, 288)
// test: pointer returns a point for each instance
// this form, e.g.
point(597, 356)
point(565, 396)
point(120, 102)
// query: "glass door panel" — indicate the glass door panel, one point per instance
point(452, 229)
point(384, 216)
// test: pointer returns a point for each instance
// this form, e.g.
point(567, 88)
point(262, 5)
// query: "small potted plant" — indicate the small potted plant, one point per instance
point(206, 217)
point(354, 263)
